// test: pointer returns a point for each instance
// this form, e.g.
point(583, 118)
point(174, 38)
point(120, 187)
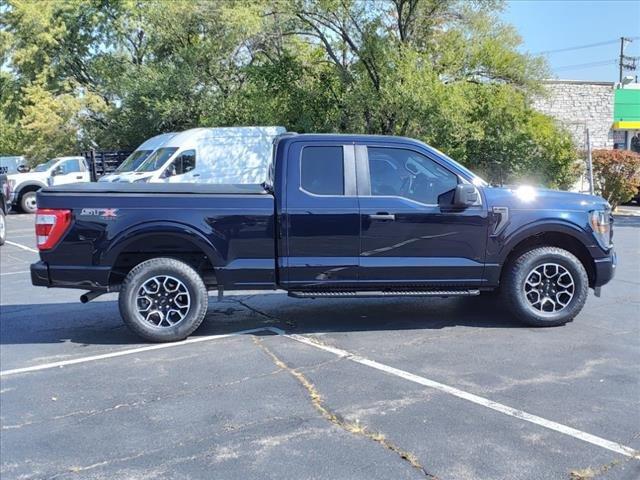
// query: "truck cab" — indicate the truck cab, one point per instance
point(210, 155)
point(128, 167)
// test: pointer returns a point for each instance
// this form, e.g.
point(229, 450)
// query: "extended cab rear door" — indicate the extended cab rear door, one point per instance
point(321, 218)
point(408, 239)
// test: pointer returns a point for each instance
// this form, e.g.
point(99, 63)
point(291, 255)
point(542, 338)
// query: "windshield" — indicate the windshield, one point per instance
point(157, 159)
point(43, 167)
point(133, 161)
point(477, 181)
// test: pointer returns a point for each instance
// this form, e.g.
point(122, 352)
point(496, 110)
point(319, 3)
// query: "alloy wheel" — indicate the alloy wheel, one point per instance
point(163, 301)
point(549, 288)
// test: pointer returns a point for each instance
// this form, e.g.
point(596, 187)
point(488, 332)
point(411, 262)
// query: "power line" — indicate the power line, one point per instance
point(581, 47)
point(587, 65)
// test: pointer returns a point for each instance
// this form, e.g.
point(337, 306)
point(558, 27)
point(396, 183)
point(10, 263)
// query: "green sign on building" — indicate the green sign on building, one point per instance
point(626, 109)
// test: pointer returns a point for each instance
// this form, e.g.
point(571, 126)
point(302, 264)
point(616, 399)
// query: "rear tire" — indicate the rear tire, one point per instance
point(163, 300)
point(545, 287)
point(3, 227)
point(28, 202)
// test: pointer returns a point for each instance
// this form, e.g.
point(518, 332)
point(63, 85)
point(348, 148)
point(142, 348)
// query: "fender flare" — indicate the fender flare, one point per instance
point(180, 231)
point(540, 227)
point(31, 183)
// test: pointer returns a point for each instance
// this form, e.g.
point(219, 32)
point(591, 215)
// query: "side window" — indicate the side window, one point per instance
point(322, 170)
point(183, 164)
point(70, 166)
point(405, 173)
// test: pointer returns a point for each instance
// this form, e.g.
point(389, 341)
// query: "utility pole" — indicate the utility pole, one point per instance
point(589, 161)
point(625, 63)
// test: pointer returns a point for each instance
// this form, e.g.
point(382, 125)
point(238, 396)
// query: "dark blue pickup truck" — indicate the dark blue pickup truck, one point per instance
point(340, 216)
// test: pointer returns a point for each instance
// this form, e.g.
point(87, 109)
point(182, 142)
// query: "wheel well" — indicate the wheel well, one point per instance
point(28, 188)
point(554, 239)
point(162, 245)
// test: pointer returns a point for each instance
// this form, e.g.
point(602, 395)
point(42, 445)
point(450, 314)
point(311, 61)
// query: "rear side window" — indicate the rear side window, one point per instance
point(322, 170)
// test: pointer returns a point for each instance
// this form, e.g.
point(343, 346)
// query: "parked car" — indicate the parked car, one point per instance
point(13, 164)
point(137, 158)
point(209, 155)
point(57, 171)
point(4, 206)
point(336, 216)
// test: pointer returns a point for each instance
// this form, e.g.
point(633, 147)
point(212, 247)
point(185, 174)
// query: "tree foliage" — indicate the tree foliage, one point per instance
point(111, 73)
point(617, 173)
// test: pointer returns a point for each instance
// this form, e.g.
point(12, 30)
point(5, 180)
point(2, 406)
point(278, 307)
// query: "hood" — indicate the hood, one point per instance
point(28, 176)
point(131, 177)
point(533, 198)
point(109, 177)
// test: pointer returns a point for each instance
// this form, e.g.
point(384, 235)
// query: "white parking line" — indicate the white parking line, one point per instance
point(14, 273)
point(120, 353)
point(498, 407)
point(23, 247)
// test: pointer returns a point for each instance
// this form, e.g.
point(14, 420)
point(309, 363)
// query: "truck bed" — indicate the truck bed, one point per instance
point(230, 228)
point(156, 188)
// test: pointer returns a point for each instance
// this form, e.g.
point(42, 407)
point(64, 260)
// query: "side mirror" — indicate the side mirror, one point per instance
point(56, 171)
point(22, 169)
point(170, 171)
point(466, 195)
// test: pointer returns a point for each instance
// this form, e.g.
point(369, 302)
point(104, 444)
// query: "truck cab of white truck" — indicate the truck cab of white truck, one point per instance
point(210, 155)
point(126, 170)
point(57, 171)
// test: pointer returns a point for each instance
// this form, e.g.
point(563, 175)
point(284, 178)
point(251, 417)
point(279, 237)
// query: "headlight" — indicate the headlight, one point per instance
point(600, 221)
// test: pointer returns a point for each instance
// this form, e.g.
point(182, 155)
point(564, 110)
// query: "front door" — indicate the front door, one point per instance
point(72, 170)
point(408, 239)
point(321, 217)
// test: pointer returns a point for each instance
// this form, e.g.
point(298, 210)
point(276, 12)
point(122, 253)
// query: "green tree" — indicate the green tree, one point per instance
point(111, 73)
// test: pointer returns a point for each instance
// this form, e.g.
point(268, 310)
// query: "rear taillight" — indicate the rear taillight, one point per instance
point(51, 224)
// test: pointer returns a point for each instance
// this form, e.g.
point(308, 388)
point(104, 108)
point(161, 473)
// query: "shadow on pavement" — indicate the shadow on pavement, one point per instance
point(99, 323)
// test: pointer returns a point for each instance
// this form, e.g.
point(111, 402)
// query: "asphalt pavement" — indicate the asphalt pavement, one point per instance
point(274, 387)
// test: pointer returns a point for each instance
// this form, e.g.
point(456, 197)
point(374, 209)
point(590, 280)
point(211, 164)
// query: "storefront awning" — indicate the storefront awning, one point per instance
point(626, 125)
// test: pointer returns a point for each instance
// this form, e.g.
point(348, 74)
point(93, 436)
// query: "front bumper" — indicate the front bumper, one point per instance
point(605, 269)
point(85, 278)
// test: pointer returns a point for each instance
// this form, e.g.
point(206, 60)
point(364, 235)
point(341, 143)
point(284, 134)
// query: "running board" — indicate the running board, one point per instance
point(385, 293)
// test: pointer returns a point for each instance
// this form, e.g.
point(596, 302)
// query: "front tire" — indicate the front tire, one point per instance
point(545, 287)
point(28, 202)
point(163, 300)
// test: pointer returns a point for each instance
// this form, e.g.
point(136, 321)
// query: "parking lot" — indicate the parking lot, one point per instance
point(274, 387)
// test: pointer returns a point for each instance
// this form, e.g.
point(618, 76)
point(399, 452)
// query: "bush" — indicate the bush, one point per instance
point(616, 175)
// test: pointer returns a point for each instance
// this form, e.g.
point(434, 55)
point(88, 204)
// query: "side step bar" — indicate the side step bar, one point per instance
point(385, 293)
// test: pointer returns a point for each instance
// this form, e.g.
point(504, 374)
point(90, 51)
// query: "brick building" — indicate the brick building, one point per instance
point(611, 113)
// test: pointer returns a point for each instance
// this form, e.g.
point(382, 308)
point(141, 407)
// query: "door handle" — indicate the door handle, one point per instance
point(79, 178)
point(382, 216)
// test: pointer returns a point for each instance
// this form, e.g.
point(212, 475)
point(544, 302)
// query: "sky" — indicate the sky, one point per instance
point(546, 25)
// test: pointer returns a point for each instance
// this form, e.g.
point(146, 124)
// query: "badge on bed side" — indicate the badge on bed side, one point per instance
point(106, 213)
